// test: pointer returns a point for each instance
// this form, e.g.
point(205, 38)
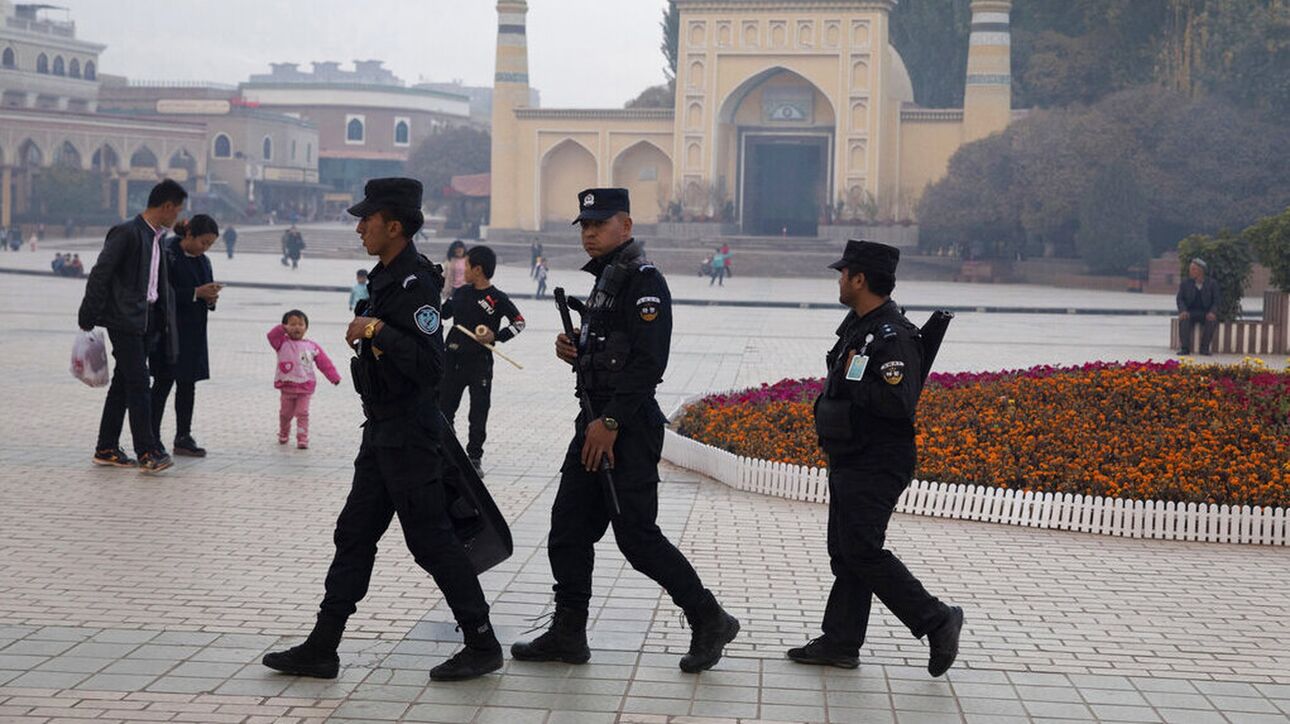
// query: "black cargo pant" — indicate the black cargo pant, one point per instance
point(582, 513)
point(462, 371)
point(405, 481)
point(129, 390)
point(862, 497)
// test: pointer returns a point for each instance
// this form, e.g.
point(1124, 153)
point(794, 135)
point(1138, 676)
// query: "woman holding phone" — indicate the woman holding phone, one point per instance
point(195, 292)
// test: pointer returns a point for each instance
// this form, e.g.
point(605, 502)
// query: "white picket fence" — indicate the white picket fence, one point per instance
point(1086, 514)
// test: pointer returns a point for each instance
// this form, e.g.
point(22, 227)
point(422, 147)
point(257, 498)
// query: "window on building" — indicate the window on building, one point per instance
point(223, 147)
point(10, 60)
point(90, 70)
point(59, 69)
point(42, 63)
point(266, 149)
point(402, 132)
point(74, 68)
point(309, 153)
point(293, 149)
point(354, 131)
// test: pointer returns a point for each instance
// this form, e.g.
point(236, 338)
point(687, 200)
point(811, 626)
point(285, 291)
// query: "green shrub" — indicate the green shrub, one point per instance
point(1230, 261)
point(1270, 238)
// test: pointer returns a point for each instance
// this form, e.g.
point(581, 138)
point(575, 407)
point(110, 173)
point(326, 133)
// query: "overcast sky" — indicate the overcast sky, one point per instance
point(582, 53)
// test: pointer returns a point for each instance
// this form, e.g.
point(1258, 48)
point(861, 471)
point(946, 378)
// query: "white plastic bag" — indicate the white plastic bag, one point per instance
point(89, 359)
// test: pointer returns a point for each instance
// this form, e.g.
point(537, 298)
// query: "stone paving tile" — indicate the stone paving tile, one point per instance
point(163, 603)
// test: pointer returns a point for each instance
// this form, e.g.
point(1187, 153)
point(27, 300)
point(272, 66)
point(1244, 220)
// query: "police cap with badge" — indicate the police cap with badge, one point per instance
point(382, 194)
point(868, 256)
point(602, 204)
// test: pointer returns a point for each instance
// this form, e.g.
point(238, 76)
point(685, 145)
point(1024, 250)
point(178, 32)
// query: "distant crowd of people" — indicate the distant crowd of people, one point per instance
point(67, 265)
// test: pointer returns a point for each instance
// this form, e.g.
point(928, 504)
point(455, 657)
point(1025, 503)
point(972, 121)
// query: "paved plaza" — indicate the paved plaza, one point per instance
point(131, 598)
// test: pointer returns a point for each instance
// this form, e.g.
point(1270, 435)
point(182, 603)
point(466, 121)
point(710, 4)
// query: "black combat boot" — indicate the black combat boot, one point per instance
point(565, 641)
point(481, 655)
point(711, 629)
point(822, 652)
point(315, 657)
point(944, 642)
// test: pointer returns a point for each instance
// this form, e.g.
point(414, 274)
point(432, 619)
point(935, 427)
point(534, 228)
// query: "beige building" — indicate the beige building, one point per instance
point(789, 114)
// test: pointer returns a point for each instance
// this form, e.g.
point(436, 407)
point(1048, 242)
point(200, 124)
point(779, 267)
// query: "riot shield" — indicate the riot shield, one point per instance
point(478, 523)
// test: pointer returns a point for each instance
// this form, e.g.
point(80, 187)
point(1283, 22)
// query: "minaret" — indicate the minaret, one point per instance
point(987, 102)
point(510, 91)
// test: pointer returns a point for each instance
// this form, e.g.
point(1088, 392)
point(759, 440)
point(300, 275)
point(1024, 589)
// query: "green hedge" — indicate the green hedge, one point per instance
point(1270, 239)
point(1230, 261)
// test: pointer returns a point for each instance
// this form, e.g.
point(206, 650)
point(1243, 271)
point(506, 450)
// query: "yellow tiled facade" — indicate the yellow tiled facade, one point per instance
point(783, 108)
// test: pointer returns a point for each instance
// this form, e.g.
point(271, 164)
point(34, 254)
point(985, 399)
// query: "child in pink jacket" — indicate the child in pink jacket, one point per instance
point(297, 358)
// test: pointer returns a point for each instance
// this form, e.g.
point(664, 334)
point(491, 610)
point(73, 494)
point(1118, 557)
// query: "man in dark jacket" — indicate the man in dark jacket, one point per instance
point(1198, 298)
point(128, 292)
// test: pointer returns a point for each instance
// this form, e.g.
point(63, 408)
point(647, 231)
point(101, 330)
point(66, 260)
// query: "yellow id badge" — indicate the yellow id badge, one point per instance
point(855, 370)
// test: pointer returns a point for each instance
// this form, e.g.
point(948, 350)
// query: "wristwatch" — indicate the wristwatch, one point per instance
point(370, 330)
point(610, 424)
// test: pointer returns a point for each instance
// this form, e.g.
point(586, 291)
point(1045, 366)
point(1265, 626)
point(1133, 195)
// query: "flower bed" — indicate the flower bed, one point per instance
point(1140, 430)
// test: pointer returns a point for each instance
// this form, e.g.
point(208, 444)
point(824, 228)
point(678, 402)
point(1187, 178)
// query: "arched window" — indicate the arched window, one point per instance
point(402, 132)
point(223, 147)
point(266, 149)
point(90, 70)
point(59, 69)
point(74, 68)
point(42, 63)
point(10, 60)
point(354, 131)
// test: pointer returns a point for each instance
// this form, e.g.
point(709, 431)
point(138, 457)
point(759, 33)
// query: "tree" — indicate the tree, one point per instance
point(932, 39)
point(61, 193)
point(454, 151)
point(655, 96)
point(1112, 236)
point(1270, 239)
point(671, 26)
point(1201, 164)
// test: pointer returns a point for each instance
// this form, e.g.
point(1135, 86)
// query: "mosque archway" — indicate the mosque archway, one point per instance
point(566, 169)
point(775, 139)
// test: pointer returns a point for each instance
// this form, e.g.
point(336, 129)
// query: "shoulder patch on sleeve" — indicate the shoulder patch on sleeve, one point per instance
point(410, 281)
point(893, 372)
point(427, 319)
point(648, 307)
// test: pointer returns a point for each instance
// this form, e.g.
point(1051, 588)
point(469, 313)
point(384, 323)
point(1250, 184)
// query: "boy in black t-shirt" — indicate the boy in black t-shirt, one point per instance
point(468, 364)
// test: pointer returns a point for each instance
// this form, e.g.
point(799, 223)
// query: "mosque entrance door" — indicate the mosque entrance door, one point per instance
point(785, 184)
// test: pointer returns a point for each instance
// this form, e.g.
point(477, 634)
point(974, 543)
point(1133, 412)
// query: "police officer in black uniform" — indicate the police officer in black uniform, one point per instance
point(399, 465)
point(865, 422)
point(621, 354)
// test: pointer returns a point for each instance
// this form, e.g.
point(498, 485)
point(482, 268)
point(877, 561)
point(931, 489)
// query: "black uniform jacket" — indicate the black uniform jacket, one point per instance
point(398, 371)
point(116, 293)
point(880, 407)
point(626, 336)
point(186, 274)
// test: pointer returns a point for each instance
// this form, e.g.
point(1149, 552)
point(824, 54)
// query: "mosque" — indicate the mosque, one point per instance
point(788, 114)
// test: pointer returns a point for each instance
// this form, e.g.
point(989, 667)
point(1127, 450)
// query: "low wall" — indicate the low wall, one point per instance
point(1085, 514)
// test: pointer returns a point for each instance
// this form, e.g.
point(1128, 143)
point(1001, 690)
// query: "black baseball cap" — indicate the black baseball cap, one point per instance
point(601, 204)
point(869, 256)
point(388, 193)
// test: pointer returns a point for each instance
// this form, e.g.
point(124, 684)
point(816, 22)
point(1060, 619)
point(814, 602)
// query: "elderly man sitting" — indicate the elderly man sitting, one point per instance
point(1198, 298)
